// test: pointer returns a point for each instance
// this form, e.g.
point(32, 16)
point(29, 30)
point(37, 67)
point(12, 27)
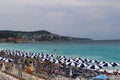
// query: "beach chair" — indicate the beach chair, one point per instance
point(106, 73)
point(116, 72)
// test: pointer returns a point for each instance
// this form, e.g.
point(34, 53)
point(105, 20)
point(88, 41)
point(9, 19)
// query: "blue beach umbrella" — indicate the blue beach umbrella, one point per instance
point(45, 59)
point(63, 59)
point(33, 56)
point(87, 60)
point(115, 64)
point(101, 62)
point(94, 67)
point(77, 58)
point(82, 65)
point(73, 64)
point(93, 61)
point(101, 77)
point(8, 60)
point(70, 60)
point(107, 65)
point(1, 58)
point(79, 61)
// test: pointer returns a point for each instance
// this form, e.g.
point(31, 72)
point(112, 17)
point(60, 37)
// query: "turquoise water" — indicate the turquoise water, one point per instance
point(98, 50)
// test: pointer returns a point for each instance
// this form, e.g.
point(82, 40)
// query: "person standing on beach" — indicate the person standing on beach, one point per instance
point(55, 54)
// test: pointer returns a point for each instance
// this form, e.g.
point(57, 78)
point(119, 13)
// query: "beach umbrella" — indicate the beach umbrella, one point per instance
point(79, 61)
point(45, 59)
point(77, 58)
point(73, 64)
point(63, 59)
point(86, 60)
point(70, 60)
point(53, 60)
point(8, 60)
point(115, 64)
point(57, 62)
point(107, 65)
point(93, 61)
point(82, 65)
point(1, 58)
point(94, 67)
point(101, 77)
point(33, 56)
point(101, 62)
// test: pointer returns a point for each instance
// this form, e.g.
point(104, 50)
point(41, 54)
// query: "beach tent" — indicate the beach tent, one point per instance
point(94, 67)
point(101, 77)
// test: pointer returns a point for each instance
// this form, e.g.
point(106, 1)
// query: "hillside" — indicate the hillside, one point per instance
point(33, 36)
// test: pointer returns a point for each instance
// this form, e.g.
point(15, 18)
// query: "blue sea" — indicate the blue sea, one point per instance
point(98, 50)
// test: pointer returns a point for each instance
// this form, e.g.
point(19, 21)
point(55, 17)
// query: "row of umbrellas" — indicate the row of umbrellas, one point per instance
point(74, 62)
point(6, 59)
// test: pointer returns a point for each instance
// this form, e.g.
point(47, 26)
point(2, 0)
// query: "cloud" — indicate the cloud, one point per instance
point(82, 18)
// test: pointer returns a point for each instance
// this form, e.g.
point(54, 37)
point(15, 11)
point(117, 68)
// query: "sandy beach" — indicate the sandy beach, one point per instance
point(20, 65)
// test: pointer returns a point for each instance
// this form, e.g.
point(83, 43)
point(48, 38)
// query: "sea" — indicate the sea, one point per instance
point(100, 50)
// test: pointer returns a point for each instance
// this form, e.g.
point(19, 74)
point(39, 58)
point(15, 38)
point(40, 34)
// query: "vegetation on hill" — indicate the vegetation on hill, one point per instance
point(42, 35)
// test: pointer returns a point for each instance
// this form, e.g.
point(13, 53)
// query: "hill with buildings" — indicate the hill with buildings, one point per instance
point(33, 36)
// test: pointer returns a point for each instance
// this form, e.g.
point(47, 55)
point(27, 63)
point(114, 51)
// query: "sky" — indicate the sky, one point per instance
point(96, 19)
